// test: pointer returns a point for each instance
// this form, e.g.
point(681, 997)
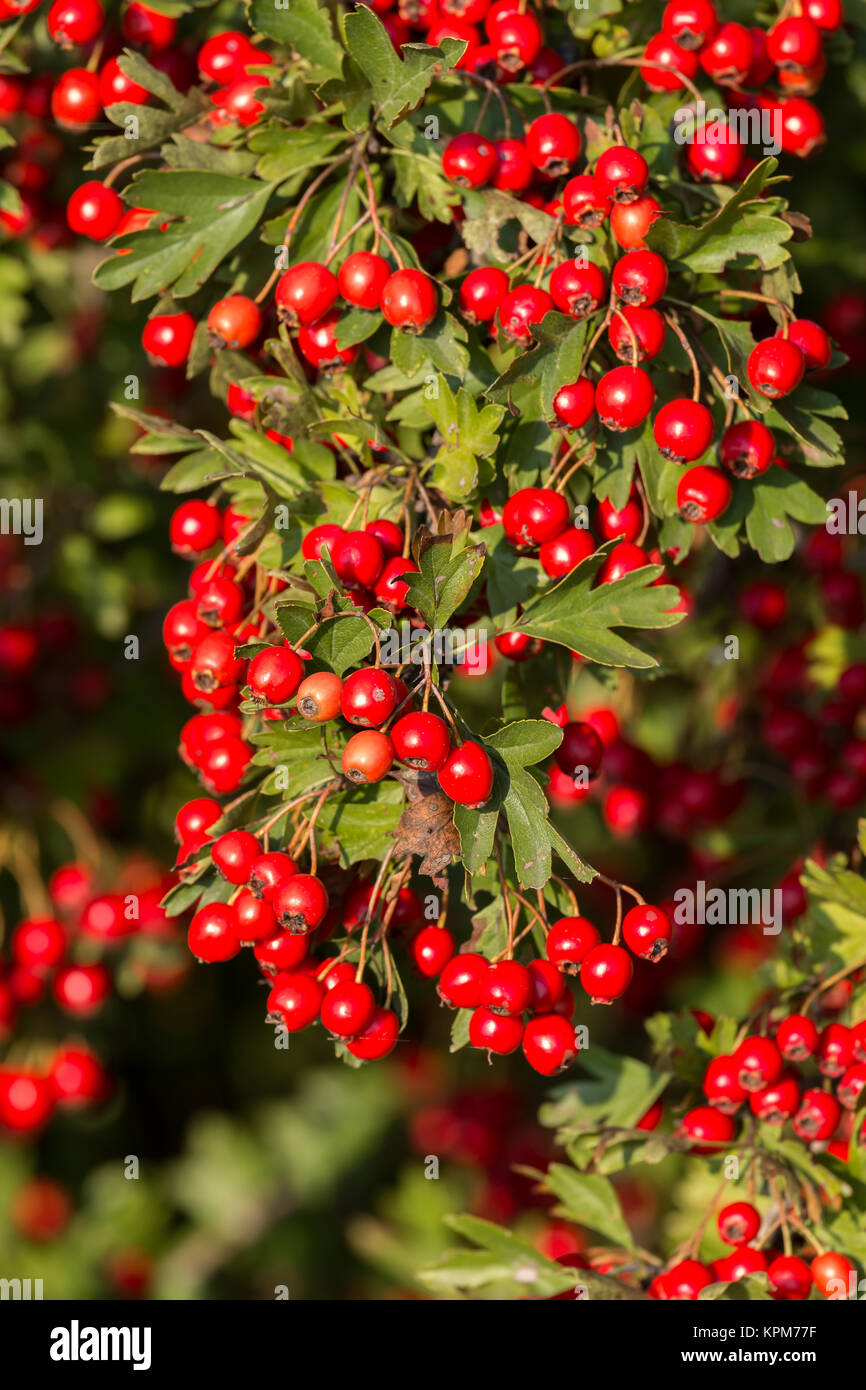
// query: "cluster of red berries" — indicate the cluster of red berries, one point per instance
point(761, 1071)
point(747, 63)
point(791, 1277)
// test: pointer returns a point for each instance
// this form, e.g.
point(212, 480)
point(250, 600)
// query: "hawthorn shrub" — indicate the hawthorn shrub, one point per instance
point(501, 303)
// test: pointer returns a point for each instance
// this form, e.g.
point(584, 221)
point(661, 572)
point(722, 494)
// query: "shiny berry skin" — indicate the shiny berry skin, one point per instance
point(431, 951)
point(738, 1223)
point(812, 341)
point(777, 1103)
point(534, 515)
point(362, 277)
point(580, 749)
point(514, 171)
point(81, 990)
point(224, 763)
point(469, 160)
point(775, 367)
point(566, 551)
point(234, 322)
point(194, 528)
point(549, 1044)
point(647, 931)
point(94, 211)
point(624, 398)
point(482, 292)
point(306, 293)
point(378, 1038)
point(826, 15)
point(624, 559)
point(548, 987)
point(220, 602)
point(296, 999)
point(212, 935)
point(626, 810)
point(518, 646)
point(714, 155)
point(606, 973)
point(721, 1085)
point(623, 524)
point(347, 1008)
point(640, 278)
point(369, 697)
point(740, 1263)
point(665, 64)
point(683, 430)
point(466, 776)
point(254, 918)
point(706, 1128)
point(167, 339)
point(213, 663)
point(794, 44)
point(630, 222)
point(790, 1277)
point(367, 757)
point(578, 288)
point(835, 1050)
point(462, 980)
point(499, 1033)
point(194, 819)
point(831, 1275)
point(574, 404)
point(148, 28)
point(115, 87)
point(234, 855)
point(72, 22)
point(318, 344)
point(222, 57)
point(274, 675)
point(75, 100)
point(358, 558)
point(281, 952)
point(684, 1281)
point(392, 586)
point(817, 1117)
point(319, 696)
point(422, 740)
point(553, 144)
point(409, 300)
point(637, 334)
point(584, 203)
point(516, 39)
point(851, 1085)
point(39, 943)
point(520, 309)
point(568, 942)
point(728, 56)
point(300, 903)
point(26, 1101)
point(691, 23)
point(268, 871)
point(747, 449)
point(703, 493)
point(758, 1063)
point(507, 988)
point(621, 174)
point(796, 1037)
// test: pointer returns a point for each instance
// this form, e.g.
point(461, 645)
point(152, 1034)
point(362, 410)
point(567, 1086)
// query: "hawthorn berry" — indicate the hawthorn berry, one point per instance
point(574, 404)
point(520, 309)
point(581, 749)
point(148, 28)
point(624, 559)
point(318, 344)
point(409, 300)
point(482, 292)
point(492, 1032)
point(234, 322)
point(234, 855)
point(606, 973)
point(777, 1103)
point(94, 211)
point(794, 43)
point(684, 1281)
point(714, 154)
point(368, 756)
point(533, 515)
point(362, 277)
point(832, 1275)
point(369, 697)
point(640, 277)
point(691, 23)
point(75, 102)
point(636, 334)
point(584, 203)
point(835, 1050)
point(568, 942)
point(507, 988)
point(422, 740)
point(683, 430)
point(665, 64)
point(300, 902)
point(319, 696)
point(790, 1277)
point(357, 557)
point(469, 160)
point(549, 1044)
point(431, 951)
point(462, 980)
point(268, 871)
point(377, 1038)
point(515, 38)
point(466, 776)
point(392, 586)
point(347, 1008)
point(578, 287)
point(212, 935)
point(758, 1063)
point(621, 174)
point(747, 449)
point(722, 1086)
point(630, 222)
point(305, 293)
point(73, 22)
point(274, 675)
point(706, 1127)
point(624, 398)
point(728, 56)
point(775, 367)
point(813, 342)
point(514, 171)
point(553, 144)
point(817, 1117)
point(738, 1223)
point(647, 931)
point(703, 493)
point(167, 339)
point(296, 999)
point(797, 1037)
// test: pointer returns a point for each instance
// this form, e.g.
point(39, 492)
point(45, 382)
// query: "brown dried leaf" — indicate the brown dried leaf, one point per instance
point(427, 829)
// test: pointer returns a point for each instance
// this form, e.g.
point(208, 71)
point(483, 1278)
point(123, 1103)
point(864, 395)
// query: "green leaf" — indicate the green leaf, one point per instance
point(526, 741)
point(398, 83)
point(741, 226)
point(775, 497)
point(441, 347)
point(361, 822)
point(590, 1201)
point(575, 615)
point(210, 214)
point(468, 435)
point(302, 25)
point(444, 579)
point(553, 363)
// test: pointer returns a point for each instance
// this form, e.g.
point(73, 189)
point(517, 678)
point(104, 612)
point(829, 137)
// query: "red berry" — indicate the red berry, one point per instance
point(776, 367)
point(431, 951)
point(499, 1033)
point(794, 43)
point(319, 696)
point(738, 1223)
point(94, 211)
point(721, 1084)
point(167, 339)
point(26, 1101)
point(703, 493)
point(469, 160)
point(683, 430)
point(82, 989)
point(212, 935)
point(706, 1128)
point(622, 174)
point(624, 397)
point(466, 776)
point(619, 524)
point(409, 300)
point(578, 288)
point(347, 1009)
point(728, 56)
point(369, 697)
point(850, 1087)
point(507, 988)
point(685, 1280)
point(254, 918)
point(812, 341)
point(835, 1050)
point(630, 222)
point(548, 986)
point(234, 854)
point(75, 100)
point(148, 28)
point(640, 277)
point(715, 153)
point(565, 552)
point(581, 750)
point(462, 980)
point(790, 1277)
point(422, 741)
point(300, 903)
point(361, 279)
point(377, 1038)
point(194, 528)
point(213, 663)
point(306, 293)
point(636, 334)
point(234, 322)
point(367, 757)
point(584, 202)
point(520, 309)
point(747, 449)
point(553, 144)
point(665, 64)
point(534, 515)
point(72, 22)
point(318, 344)
point(606, 973)
point(817, 1117)
point(758, 1063)
point(274, 675)
point(268, 871)
point(796, 1037)
point(357, 557)
point(691, 23)
point(482, 292)
point(516, 39)
point(296, 1000)
point(777, 1103)
point(832, 1275)
point(647, 931)
point(549, 1043)
point(624, 559)
point(568, 942)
